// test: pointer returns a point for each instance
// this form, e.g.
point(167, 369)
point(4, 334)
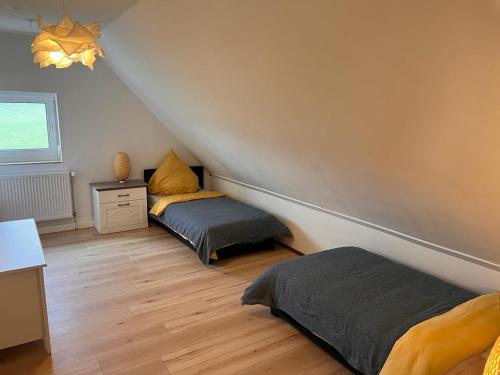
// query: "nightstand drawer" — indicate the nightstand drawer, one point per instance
point(118, 215)
point(121, 195)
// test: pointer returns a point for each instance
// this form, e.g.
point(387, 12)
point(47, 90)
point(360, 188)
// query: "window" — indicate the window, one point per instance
point(29, 128)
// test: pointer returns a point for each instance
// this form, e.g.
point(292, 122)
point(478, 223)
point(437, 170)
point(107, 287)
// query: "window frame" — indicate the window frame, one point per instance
point(53, 154)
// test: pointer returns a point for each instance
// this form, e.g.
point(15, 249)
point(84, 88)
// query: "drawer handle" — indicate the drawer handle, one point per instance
point(124, 195)
point(123, 204)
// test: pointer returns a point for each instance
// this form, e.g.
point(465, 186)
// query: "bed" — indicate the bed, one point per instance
point(209, 225)
point(354, 303)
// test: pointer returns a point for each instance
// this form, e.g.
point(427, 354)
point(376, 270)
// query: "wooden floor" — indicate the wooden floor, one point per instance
point(140, 302)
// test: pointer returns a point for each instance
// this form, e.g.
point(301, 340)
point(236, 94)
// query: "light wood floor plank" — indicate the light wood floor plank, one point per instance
point(141, 302)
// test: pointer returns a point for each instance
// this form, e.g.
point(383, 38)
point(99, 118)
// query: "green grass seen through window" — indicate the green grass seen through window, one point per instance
point(23, 126)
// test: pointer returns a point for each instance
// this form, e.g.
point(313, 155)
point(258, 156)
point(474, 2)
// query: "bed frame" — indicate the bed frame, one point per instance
point(314, 338)
point(197, 169)
point(224, 252)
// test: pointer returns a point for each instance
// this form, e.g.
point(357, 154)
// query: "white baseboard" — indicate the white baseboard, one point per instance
point(316, 229)
point(55, 228)
point(44, 229)
point(84, 224)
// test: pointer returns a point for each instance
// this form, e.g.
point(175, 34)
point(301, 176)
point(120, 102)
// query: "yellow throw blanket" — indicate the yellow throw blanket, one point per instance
point(163, 203)
point(438, 344)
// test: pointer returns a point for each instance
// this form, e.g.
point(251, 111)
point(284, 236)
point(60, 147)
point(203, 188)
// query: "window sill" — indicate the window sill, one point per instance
point(31, 162)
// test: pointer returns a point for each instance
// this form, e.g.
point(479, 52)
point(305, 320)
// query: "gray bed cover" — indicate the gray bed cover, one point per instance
point(357, 301)
point(215, 223)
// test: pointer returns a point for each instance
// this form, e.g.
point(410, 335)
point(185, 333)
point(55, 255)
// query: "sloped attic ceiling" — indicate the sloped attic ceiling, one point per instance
point(387, 111)
point(15, 15)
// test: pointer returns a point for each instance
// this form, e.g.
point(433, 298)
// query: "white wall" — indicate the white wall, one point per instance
point(385, 110)
point(314, 230)
point(99, 116)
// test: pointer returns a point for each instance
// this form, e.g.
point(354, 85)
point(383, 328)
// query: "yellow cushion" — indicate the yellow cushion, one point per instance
point(493, 364)
point(173, 177)
point(438, 344)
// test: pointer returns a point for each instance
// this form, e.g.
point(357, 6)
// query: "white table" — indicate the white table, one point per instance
point(23, 308)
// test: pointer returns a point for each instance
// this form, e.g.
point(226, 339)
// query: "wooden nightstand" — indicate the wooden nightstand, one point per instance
point(119, 206)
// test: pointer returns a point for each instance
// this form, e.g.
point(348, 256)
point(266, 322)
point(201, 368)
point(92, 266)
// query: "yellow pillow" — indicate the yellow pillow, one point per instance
point(173, 177)
point(437, 344)
point(493, 363)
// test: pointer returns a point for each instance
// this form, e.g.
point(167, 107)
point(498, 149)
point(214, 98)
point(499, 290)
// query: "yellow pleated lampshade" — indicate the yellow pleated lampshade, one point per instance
point(65, 43)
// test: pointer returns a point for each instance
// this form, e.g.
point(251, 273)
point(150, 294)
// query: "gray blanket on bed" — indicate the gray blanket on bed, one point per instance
point(215, 223)
point(357, 301)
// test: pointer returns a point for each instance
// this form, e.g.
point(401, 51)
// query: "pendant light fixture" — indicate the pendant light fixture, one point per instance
point(67, 42)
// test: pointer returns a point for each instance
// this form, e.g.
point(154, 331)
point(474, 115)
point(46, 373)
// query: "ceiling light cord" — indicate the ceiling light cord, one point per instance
point(64, 7)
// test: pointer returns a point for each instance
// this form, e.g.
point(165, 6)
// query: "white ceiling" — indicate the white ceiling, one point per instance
point(14, 13)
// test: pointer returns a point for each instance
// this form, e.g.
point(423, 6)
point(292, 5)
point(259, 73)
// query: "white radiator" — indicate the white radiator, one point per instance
point(39, 196)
